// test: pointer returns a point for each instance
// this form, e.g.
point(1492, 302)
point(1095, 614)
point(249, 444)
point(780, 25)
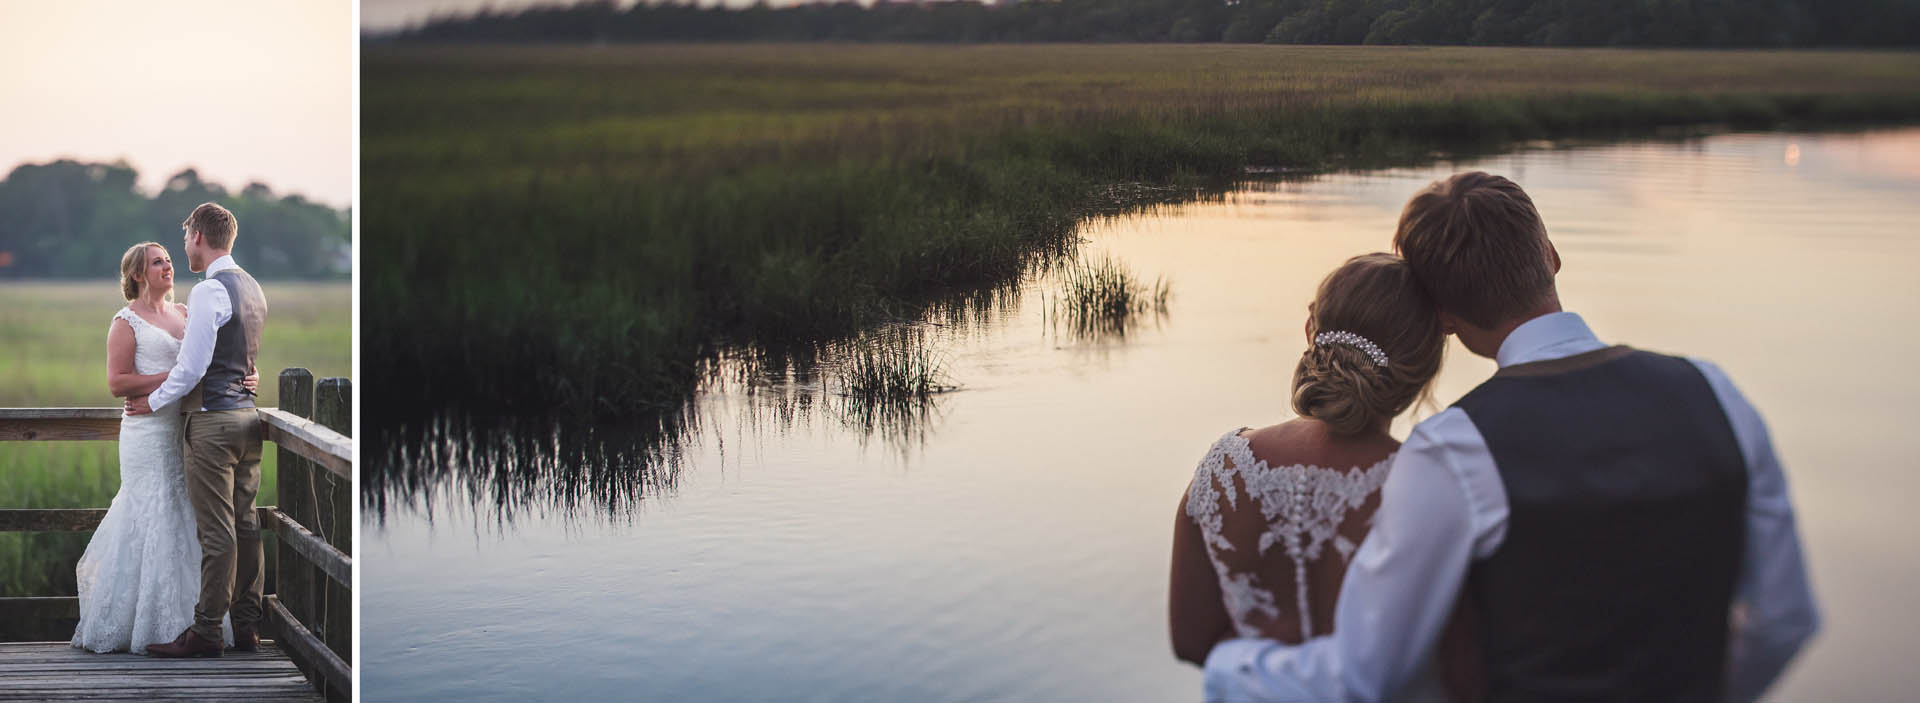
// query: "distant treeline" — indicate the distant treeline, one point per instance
point(69, 219)
point(1651, 23)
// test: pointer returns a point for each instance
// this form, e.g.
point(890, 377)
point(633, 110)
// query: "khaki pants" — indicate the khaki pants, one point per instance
point(223, 474)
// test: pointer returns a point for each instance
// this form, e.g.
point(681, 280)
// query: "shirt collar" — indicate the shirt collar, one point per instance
point(1550, 336)
point(221, 264)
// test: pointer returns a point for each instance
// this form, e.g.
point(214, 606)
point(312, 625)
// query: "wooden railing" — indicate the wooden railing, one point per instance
point(310, 611)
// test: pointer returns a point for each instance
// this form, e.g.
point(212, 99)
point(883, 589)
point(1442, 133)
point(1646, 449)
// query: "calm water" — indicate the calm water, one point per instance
point(1011, 542)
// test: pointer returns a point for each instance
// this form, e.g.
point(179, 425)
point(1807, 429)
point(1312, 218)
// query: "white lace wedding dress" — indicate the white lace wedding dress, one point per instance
point(1246, 508)
point(140, 576)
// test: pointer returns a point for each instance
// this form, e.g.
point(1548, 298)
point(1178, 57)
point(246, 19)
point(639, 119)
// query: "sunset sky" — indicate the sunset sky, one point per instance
point(243, 90)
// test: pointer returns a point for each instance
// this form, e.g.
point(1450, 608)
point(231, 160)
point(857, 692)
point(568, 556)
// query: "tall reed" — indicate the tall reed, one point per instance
point(1099, 296)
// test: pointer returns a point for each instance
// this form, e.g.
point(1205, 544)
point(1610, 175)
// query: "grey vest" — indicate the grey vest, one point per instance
point(1626, 492)
point(236, 344)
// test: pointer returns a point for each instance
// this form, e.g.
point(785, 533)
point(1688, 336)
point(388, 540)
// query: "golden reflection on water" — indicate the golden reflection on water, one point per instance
point(1016, 548)
point(1795, 274)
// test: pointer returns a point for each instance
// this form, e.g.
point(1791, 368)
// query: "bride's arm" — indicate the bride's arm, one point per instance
point(122, 380)
point(1196, 615)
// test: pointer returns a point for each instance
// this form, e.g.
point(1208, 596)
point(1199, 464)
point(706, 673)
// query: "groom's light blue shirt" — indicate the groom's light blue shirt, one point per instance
point(1444, 507)
point(207, 310)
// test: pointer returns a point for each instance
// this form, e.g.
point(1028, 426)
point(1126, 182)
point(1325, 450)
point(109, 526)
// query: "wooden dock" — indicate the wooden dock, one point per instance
point(55, 671)
point(309, 579)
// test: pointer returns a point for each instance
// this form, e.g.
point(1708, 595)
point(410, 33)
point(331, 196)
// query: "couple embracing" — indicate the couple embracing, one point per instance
point(1592, 523)
point(180, 546)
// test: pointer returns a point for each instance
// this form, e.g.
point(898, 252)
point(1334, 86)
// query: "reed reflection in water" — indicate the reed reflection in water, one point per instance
point(886, 385)
point(505, 469)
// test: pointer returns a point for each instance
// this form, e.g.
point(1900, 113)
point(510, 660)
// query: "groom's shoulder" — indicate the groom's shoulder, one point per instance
point(1706, 366)
point(206, 292)
point(1728, 393)
point(1450, 426)
point(1716, 377)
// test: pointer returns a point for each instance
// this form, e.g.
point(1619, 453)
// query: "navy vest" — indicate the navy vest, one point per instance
point(1627, 493)
point(236, 345)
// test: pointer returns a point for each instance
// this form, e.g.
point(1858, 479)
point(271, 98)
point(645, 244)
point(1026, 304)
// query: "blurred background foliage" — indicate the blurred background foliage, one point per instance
point(1571, 23)
point(69, 219)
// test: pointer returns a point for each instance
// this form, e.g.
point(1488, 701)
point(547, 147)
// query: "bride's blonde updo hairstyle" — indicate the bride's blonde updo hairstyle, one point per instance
point(131, 263)
point(1376, 297)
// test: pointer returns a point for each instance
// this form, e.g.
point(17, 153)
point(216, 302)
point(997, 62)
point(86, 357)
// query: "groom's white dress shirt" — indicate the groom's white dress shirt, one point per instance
point(207, 309)
point(1444, 507)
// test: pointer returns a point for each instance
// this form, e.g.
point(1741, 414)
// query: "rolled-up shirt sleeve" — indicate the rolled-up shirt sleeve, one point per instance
point(207, 309)
point(1400, 589)
point(1774, 611)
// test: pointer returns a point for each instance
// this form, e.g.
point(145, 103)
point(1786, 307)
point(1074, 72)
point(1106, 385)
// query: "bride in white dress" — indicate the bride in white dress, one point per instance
point(140, 576)
point(1267, 527)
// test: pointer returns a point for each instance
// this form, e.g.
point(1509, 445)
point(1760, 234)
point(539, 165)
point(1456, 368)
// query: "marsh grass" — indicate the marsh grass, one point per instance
point(53, 354)
point(1103, 287)
point(1099, 297)
point(580, 229)
point(880, 383)
point(53, 338)
point(889, 368)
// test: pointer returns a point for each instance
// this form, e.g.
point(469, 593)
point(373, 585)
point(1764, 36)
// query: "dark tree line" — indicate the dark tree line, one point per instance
point(68, 219)
point(1652, 23)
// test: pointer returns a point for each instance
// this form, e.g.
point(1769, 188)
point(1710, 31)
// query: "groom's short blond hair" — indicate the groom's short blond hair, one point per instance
point(1477, 244)
point(215, 223)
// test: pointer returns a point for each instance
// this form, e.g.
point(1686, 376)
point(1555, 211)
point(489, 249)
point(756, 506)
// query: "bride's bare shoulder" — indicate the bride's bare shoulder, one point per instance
point(1310, 442)
point(1287, 436)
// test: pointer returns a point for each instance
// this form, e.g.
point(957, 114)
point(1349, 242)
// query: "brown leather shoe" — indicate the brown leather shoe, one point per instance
point(188, 644)
point(245, 640)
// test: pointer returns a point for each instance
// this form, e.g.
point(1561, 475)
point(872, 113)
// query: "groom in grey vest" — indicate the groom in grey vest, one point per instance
point(1614, 522)
point(225, 315)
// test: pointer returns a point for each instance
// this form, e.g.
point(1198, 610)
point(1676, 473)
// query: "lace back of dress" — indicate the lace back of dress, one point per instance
point(1301, 508)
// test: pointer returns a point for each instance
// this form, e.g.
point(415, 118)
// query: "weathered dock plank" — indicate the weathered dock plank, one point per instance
point(55, 671)
point(47, 424)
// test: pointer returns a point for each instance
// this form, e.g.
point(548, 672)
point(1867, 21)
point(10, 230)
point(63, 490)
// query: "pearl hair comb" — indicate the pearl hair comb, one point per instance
point(1352, 340)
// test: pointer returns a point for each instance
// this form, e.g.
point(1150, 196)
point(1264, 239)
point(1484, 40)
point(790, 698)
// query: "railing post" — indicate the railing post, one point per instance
point(296, 579)
point(333, 408)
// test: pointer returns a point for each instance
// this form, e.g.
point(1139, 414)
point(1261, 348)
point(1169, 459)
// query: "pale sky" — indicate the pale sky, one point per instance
point(243, 90)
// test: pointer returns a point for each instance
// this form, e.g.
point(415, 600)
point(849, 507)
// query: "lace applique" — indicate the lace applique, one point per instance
point(153, 349)
point(1303, 507)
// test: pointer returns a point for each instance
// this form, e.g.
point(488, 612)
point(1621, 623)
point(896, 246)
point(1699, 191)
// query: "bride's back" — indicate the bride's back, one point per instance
point(1273, 516)
point(1282, 510)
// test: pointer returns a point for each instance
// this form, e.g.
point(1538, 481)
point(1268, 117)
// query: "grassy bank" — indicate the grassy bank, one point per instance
point(552, 228)
point(53, 346)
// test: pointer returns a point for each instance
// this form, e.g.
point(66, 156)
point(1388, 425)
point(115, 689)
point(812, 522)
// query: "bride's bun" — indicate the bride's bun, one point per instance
point(1374, 296)
point(1337, 385)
